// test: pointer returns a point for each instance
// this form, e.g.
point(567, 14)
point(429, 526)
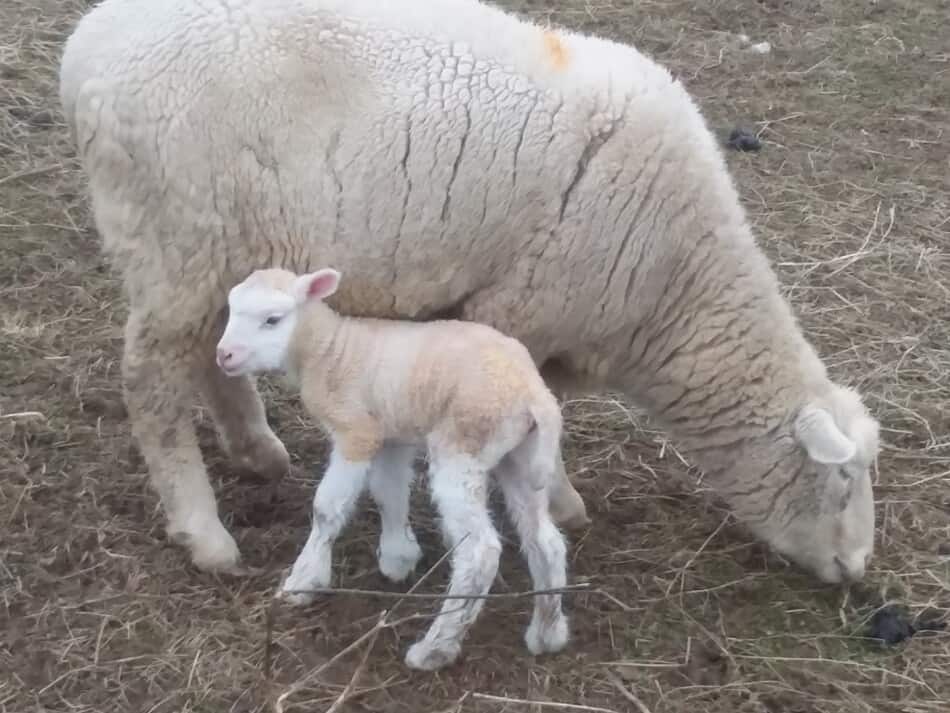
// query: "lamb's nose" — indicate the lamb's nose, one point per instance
point(224, 356)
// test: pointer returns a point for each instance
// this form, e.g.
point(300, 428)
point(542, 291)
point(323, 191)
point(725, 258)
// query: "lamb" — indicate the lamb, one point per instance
point(455, 161)
point(471, 395)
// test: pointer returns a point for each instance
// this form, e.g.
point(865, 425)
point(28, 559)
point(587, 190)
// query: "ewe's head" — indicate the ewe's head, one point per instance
point(816, 495)
point(263, 311)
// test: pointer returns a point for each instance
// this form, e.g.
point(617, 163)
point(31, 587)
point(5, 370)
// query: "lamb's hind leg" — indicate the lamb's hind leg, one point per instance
point(459, 488)
point(390, 483)
point(238, 413)
point(544, 549)
point(490, 307)
point(159, 370)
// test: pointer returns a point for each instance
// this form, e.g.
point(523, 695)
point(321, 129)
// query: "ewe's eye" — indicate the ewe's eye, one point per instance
point(272, 320)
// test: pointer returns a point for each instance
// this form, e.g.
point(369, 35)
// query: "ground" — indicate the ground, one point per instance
point(849, 197)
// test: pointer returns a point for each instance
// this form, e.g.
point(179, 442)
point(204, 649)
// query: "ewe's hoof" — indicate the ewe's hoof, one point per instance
point(567, 509)
point(424, 656)
point(547, 639)
point(574, 519)
point(266, 458)
point(578, 522)
point(212, 548)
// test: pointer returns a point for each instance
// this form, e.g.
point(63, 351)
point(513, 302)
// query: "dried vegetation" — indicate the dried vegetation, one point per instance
point(850, 198)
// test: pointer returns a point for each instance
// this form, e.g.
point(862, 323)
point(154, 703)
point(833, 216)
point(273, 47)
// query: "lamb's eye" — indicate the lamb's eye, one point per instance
point(272, 320)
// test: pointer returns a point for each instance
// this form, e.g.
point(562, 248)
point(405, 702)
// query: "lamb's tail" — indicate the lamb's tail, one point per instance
point(543, 443)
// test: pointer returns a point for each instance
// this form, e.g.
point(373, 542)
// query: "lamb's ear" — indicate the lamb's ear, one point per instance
point(816, 430)
point(316, 285)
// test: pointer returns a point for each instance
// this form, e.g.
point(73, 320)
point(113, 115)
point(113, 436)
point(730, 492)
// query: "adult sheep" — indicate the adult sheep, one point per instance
point(453, 160)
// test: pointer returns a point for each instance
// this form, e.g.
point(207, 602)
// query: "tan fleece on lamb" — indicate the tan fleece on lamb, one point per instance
point(461, 381)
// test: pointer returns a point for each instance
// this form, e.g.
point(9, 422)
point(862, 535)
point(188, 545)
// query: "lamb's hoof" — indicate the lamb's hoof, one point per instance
point(296, 588)
point(295, 599)
point(397, 563)
point(212, 548)
point(547, 639)
point(424, 656)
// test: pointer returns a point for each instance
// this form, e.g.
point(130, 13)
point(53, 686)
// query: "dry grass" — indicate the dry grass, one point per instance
point(850, 198)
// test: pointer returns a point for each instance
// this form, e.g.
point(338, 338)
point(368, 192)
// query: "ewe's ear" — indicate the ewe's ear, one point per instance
point(316, 285)
point(820, 436)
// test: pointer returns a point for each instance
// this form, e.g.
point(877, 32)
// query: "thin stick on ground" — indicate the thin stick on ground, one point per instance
point(542, 704)
point(29, 173)
point(268, 640)
point(627, 693)
point(345, 693)
point(23, 415)
point(382, 623)
point(569, 589)
point(279, 704)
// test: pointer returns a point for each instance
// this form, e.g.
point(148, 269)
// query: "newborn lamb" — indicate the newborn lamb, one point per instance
point(384, 388)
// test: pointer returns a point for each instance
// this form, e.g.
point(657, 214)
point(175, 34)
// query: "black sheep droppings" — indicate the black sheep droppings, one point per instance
point(743, 140)
point(890, 625)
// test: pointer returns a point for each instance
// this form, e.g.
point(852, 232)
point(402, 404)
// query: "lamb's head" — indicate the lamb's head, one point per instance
point(263, 311)
point(815, 499)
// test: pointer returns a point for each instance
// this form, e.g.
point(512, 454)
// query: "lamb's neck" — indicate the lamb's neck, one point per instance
point(319, 342)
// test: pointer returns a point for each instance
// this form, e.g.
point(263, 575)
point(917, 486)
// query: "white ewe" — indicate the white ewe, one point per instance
point(384, 388)
point(453, 160)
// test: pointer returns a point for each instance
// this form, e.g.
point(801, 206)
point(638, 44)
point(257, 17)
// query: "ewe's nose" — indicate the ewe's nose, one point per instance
point(854, 566)
point(230, 356)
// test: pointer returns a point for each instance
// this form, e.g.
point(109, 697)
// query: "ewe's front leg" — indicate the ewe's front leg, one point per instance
point(390, 482)
point(159, 378)
point(238, 413)
point(460, 491)
point(333, 505)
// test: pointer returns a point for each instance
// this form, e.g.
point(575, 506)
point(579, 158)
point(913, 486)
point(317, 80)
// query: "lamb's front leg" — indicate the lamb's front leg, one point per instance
point(333, 505)
point(390, 482)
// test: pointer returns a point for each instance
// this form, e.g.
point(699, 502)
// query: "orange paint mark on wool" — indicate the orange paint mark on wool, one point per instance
point(556, 51)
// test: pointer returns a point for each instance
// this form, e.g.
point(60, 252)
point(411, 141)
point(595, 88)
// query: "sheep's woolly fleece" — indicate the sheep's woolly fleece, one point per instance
point(562, 188)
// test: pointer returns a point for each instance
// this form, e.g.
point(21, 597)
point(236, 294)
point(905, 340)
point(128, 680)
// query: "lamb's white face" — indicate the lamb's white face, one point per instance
point(824, 517)
point(260, 324)
point(263, 312)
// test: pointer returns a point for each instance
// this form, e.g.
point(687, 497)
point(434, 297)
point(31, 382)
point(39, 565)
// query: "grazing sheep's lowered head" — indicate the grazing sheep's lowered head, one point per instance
point(263, 311)
point(814, 505)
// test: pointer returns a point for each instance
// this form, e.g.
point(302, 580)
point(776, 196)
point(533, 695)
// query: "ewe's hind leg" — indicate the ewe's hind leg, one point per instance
point(333, 505)
point(544, 549)
point(238, 413)
point(459, 489)
point(566, 505)
point(390, 481)
point(159, 380)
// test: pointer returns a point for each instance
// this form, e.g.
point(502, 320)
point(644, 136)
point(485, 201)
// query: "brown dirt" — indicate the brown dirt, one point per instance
point(850, 198)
